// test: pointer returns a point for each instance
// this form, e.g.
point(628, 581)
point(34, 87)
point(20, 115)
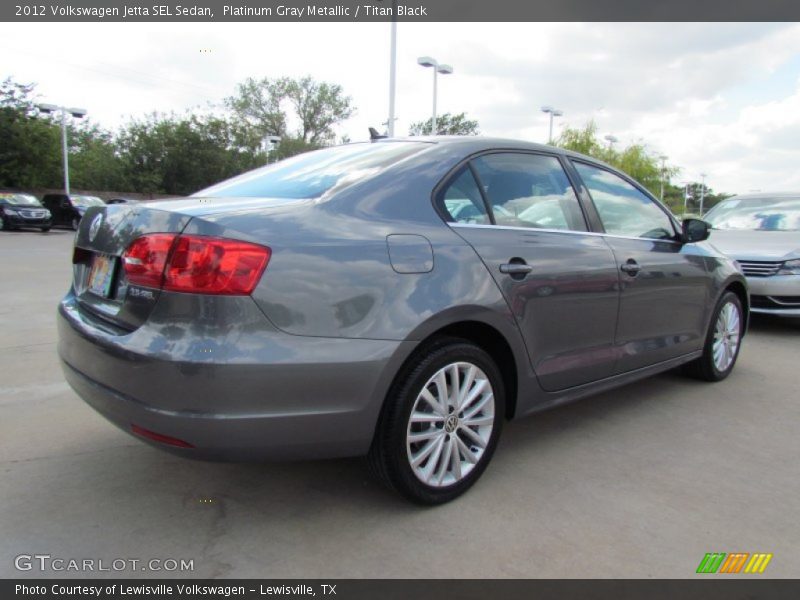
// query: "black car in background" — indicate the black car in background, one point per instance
point(23, 210)
point(68, 210)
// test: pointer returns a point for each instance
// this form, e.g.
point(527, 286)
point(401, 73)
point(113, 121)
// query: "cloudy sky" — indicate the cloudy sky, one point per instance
point(720, 99)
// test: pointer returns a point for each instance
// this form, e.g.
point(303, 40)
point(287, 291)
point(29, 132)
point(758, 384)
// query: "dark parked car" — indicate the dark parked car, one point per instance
point(23, 211)
point(68, 210)
point(121, 201)
point(332, 305)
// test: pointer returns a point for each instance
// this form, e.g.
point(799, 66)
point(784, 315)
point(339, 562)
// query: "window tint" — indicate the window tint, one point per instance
point(462, 200)
point(623, 209)
point(529, 190)
point(312, 174)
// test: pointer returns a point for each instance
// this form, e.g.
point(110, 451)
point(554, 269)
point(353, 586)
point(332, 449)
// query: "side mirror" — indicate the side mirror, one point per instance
point(695, 230)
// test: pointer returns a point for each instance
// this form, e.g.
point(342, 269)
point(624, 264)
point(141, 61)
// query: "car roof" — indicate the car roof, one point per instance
point(478, 143)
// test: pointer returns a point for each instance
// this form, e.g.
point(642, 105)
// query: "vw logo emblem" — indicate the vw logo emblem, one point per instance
point(451, 424)
point(95, 226)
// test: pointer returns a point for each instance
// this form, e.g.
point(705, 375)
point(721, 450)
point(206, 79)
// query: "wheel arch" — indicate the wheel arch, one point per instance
point(494, 332)
point(740, 289)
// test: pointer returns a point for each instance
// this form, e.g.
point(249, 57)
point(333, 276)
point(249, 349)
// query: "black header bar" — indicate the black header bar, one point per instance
point(282, 11)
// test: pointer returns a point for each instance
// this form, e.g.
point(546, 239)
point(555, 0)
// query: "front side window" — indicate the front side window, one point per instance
point(529, 190)
point(623, 209)
point(462, 200)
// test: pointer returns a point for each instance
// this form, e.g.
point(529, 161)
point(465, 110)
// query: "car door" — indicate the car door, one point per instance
point(664, 285)
point(526, 223)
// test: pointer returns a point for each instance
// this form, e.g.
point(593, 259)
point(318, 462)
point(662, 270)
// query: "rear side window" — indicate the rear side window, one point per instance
point(623, 209)
point(462, 200)
point(313, 174)
point(529, 190)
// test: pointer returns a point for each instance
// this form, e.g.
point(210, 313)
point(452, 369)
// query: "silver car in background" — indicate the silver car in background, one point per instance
point(762, 232)
point(398, 299)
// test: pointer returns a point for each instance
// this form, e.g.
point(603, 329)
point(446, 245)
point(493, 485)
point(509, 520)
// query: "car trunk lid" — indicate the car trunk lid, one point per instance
point(99, 278)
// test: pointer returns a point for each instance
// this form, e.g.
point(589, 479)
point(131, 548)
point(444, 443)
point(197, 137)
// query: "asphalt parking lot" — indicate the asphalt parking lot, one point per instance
point(638, 482)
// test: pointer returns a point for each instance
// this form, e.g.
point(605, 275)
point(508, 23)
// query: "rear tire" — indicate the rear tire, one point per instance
point(723, 341)
point(434, 438)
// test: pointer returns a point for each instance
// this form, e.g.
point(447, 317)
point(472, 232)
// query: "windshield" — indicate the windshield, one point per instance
point(758, 214)
point(86, 201)
point(19, 199)
point(313, 174)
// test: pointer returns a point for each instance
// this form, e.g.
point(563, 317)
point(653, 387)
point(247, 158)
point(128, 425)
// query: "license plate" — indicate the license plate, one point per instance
point(101, 275)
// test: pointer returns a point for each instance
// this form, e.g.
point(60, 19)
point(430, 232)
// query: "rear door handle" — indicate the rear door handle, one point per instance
point(631, 267)
point(516, 268)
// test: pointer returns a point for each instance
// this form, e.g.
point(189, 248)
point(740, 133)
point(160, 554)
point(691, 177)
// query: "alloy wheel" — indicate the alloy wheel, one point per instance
point(726, 336)
point(450, 424)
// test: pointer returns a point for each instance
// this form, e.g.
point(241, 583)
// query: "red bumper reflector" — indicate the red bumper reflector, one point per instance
point(158, 437)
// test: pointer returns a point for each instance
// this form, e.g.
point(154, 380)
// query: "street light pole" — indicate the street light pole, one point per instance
point(702, 191)
point(392, 70)
point(663, 174)
point(685, 196)
point(553, 112)
point(64, 150)
point(434, 127)
point(77, 113)
point(611, 139)
point(427, 61)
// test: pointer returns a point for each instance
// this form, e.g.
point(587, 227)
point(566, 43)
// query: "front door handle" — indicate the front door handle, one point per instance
point(516, 268)
point(631, 268)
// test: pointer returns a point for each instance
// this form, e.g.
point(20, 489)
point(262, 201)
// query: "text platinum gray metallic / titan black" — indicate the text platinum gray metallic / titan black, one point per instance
point(398, 299)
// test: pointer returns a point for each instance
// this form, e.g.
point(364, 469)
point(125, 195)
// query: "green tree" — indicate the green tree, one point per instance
point(256, 109)
point(689, 194)
point(582, 140)
point(635, 160)
point(30, 152)
point(94, 163)
point(319, 106)
point(180, 155)
point(446, 124)
point(263, 107)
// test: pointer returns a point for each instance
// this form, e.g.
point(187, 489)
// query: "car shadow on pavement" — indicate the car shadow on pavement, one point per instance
point(780, 326)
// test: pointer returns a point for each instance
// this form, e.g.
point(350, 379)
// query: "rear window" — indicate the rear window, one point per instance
point(315, 173)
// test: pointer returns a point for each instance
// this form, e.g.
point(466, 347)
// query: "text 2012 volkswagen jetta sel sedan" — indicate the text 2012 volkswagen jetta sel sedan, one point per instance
point(398, 299)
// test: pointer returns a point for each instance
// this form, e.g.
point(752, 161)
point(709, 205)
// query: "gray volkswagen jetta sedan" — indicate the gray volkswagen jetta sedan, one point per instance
point(398, 299)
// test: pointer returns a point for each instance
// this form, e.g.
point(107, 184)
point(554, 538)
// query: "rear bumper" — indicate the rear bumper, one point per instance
point(261, 394)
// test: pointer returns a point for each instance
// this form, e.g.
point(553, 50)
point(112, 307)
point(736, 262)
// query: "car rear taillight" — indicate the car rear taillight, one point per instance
point(195, 264)
point(146, 257)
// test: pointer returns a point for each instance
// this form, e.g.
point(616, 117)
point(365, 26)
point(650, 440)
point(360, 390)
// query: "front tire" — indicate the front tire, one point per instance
point(723, 341)
point(441, 422)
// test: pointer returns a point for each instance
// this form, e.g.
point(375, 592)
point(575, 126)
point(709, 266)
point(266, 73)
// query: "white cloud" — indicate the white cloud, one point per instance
point(716, 98)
